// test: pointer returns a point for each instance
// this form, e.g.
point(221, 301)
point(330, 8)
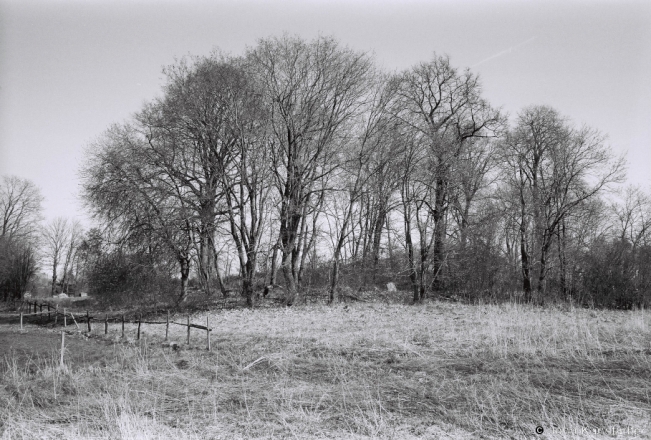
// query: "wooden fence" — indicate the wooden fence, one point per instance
point(29, 309)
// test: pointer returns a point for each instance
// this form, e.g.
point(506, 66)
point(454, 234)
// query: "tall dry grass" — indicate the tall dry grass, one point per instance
point(438, 370)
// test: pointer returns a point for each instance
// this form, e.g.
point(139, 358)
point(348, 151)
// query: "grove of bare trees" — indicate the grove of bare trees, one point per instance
point(300, 167)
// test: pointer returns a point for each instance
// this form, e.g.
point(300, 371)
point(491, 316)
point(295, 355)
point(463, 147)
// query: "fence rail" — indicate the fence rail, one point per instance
point(53, 313)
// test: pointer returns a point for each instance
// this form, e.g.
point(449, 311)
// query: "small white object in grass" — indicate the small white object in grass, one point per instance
point(83, 294)
point(391, 287)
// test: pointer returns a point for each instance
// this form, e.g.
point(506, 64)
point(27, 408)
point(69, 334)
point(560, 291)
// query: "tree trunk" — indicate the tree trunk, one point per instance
point(544, 251)
point(215, 261)
point(438, 250)
point(377, 237)
point(273, 276)
point(290, 259)
point(55, 263)
point(248, 277)
point(413, 273)
point(562, 259)
point(334, 278)
point(289, 280)
point(524, 257)
point(184, 262)
point(205, 264)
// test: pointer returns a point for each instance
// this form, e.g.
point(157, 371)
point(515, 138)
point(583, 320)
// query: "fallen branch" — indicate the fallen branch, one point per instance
point(254, 363)
point(74, 320)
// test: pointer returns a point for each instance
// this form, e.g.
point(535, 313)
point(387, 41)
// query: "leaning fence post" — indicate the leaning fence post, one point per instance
point(167, 326)
point(88, 320)
point(139, 322)
point(188, 329)
point(106, 325)
point(208, 331)
point(63, 339)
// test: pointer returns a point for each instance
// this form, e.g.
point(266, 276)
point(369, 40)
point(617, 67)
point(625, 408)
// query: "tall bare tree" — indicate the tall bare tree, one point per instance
point(445, 112)
point(56, 236)
point(314, 89)
point(555, 168)
point(246, 181)
point(75, 237)
point(127, 191)
point(192, 137)
point(20, 214)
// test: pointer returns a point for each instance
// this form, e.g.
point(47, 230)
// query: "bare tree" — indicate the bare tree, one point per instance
point(192, 137)
point(56, 236)
point(75, 237)
point(313, 89)
point(246, 182)
point(125, 188)
point(633, 216)
point(555, 168)
point(20, 207)
point(444, 111)
point(17, 267)
point(20, 213)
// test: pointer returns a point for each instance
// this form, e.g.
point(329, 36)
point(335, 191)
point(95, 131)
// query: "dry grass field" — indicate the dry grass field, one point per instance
point(438, 370)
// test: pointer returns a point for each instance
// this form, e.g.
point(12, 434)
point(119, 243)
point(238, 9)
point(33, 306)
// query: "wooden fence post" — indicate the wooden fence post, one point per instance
point(208, 331)
point(106, 325)
point(48, 312)
point(167, 326)
point(21, 321)
point(188, 329)
point(63, 339)
point(88, 320)
point(139, 322)
point(65, 318)
point(41, 310)
point(122, 326)
point(56, 315)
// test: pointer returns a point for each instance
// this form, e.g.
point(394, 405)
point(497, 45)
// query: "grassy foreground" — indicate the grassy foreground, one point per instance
point(438, 370)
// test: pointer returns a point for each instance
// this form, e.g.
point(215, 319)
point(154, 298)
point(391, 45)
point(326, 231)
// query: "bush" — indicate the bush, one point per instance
point(120, 278)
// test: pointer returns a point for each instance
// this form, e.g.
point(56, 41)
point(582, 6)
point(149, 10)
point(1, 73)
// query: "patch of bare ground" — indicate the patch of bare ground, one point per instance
point(358, 371)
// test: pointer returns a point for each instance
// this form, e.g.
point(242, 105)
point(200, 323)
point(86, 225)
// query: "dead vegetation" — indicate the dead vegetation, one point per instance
point(362, 370)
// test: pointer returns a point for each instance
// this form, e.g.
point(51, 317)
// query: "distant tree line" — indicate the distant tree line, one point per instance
point(300, 166)
point(27, 245)
point(20, 209)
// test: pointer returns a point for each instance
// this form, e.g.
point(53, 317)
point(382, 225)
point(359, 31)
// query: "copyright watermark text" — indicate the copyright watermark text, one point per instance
point(585, 430)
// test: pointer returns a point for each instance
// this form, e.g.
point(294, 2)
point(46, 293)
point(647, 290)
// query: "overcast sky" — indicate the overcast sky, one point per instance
point(69, 69)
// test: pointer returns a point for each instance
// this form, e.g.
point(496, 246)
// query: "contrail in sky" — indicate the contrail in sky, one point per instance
point(504, 52)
